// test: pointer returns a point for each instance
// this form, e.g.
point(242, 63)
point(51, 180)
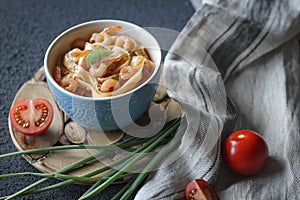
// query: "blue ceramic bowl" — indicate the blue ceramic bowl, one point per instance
point(103, 114)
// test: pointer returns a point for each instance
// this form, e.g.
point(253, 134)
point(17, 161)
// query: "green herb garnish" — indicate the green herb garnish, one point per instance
point(96, 55)
point(141, 147)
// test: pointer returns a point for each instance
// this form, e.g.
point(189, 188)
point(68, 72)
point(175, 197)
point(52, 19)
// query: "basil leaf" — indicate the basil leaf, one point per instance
point(96, 55)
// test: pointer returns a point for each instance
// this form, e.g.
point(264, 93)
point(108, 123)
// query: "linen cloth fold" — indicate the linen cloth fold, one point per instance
point(254, 46)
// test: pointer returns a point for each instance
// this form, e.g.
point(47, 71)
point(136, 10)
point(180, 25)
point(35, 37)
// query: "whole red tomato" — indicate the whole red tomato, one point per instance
point(245, 152)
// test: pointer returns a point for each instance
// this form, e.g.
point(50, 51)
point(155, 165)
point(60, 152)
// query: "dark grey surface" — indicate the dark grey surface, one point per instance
point(26, 30)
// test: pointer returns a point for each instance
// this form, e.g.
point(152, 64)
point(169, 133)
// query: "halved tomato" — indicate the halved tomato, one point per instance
point(199, 189)
point(31, 117)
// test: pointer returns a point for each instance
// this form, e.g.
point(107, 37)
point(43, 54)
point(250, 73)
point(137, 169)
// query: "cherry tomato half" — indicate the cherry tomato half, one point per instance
point(245, 152)
point(31, 117)
point(199, 190)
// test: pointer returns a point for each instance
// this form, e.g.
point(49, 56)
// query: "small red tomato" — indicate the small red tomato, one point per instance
point(199, 190)
point(31, 117)
point(245, 152)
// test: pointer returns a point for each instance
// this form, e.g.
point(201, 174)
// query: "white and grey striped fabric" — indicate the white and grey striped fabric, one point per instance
point(255, 47)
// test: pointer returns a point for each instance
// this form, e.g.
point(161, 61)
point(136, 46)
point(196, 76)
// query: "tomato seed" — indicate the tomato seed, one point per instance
point(26, 124)
point(24, 111)
point(192, 194)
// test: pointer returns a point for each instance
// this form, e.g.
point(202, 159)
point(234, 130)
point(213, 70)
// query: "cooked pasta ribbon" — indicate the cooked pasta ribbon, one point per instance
point(108, 65)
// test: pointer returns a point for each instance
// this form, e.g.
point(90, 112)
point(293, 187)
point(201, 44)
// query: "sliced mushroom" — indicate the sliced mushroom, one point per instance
point(30, 90)
point(165, 103)
point(161, 93)
point(64, 140)
point(173, 110)
point(75, 133)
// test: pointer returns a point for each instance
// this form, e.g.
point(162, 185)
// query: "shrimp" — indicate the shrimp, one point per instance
point(72, 57)
point(135, 65)
point(122, 41)
point(109, 85)
point(102, 67)
point(127, 72)
point(98, 69)
point(69, 82)
point(57, 74)
point(108, 64)
point(138, 61)
point(125, 42)
point(104, 37)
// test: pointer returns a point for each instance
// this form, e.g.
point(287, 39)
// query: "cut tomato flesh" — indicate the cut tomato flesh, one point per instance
point(199, 189)
point(31, 117)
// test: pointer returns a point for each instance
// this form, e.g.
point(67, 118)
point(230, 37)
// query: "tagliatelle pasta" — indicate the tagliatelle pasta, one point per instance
point(106, 65)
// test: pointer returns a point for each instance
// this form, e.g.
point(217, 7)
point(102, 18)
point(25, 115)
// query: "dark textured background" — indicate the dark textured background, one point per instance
point(26, 29)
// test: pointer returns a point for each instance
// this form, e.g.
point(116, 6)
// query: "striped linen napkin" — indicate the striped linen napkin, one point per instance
point(249, 51)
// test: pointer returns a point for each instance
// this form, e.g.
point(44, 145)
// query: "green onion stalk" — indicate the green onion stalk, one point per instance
point(115, 170)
